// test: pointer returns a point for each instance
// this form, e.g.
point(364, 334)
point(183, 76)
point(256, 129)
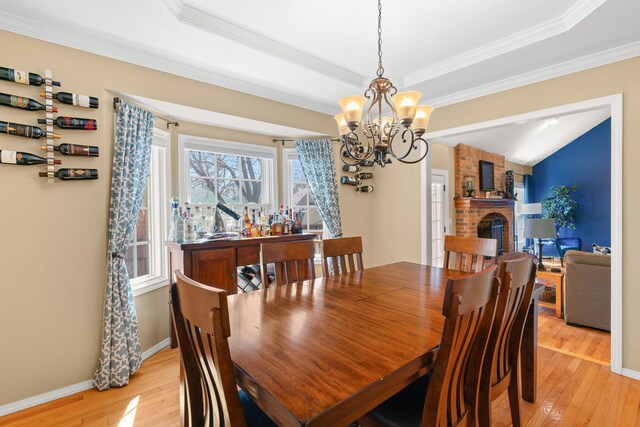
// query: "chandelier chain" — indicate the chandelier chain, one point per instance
point(380, 71)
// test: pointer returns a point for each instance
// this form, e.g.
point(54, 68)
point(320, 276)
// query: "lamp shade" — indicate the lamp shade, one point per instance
point(540, 228)
point(531, 208)
point(406, 104)
point(421, 119)
point(352, 108)
point(343, 129)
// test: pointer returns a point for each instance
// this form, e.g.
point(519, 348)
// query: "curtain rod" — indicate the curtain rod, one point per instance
point(283, 140)
point(117, 100)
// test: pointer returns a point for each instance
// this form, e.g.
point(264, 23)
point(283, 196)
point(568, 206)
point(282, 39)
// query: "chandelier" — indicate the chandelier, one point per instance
point(396, 116)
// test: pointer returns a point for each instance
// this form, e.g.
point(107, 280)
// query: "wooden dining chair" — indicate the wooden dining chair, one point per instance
point(208, 393)
point(517, 273)
point(470, 254)
point(337, 253)
point(448, 395)
point(293, 261)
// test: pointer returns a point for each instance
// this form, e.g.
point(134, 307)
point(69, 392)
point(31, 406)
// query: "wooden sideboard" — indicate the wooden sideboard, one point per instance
point(215, 262)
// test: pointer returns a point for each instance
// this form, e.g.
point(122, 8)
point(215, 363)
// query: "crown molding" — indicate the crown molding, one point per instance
point(200, 18)
point(580, 10)
point(138, 54)
point(572, 66)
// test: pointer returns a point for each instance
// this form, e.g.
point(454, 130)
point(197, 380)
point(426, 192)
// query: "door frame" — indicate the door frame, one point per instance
point(614, 103)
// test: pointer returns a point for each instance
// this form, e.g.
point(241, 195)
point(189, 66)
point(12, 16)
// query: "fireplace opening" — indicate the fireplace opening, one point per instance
point(492, 228)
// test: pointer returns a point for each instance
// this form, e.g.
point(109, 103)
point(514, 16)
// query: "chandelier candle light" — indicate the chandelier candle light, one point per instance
point(405, 118)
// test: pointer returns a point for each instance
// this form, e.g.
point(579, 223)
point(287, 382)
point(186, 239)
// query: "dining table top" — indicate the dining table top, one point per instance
point(326, 351)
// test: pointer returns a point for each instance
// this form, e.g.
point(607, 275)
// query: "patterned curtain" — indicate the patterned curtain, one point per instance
point(120, 354)
point(316, 158)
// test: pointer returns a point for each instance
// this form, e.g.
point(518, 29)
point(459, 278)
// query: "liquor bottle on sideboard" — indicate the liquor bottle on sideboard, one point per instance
point(23, 103)
point(297, 226)
point(180, 226)
point(173, 222)
point(75, 99)
point(23, 77)
point(73, 174)
point(365, 188)
point(189, 230)
point(23, 159)
point(25, 131)
point(349, 180)
point(66, 122)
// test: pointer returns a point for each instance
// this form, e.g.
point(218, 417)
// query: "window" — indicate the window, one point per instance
point(145, 257)
point(234, 174)
point(521, 193)
point(297, 194)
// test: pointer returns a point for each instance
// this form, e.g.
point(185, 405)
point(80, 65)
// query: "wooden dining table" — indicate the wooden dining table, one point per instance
point(325, 352)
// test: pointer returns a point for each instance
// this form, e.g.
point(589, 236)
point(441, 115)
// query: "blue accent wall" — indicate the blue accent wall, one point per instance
point(585, 162)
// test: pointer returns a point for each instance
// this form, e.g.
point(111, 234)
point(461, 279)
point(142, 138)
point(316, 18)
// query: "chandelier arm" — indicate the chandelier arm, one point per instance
point(412, 146)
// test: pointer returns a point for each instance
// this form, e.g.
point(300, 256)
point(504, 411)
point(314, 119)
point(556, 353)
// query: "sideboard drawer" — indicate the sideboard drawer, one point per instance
point(249, 255)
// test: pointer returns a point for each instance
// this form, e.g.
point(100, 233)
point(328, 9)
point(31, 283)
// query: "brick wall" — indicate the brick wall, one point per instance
point(469, 212)
point(467, 162)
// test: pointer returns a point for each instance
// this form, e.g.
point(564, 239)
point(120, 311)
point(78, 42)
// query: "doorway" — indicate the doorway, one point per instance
point(614, 104)
point(439, 214)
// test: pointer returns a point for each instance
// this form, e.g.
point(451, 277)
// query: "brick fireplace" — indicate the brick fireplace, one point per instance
point(470, 211)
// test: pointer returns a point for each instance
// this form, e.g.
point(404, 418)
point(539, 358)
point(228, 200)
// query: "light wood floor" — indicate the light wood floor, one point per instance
point(571, 390)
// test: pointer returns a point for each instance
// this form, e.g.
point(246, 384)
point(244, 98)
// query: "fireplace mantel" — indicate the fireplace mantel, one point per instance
point(477, 202)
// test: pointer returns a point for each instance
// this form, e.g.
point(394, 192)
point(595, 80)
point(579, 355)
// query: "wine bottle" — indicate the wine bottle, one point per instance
point(348, 168)
point(23, 103)
point(366, 163)
point(74, 150)
point(349, 180)
point(24, 159)
point(25, 131)
point(364, 175)
point(23, 77)
point(65, 122)
point(365, 188)
point(75, 99)
point(72, 174)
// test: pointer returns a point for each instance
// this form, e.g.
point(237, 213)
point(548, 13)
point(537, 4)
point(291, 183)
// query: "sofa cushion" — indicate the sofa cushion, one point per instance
point(579, 257)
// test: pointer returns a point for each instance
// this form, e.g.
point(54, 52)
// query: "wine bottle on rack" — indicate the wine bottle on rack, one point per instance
point(25, 131)
point(23, 103)
point(64, 122)
point(74, 149)
point(75, 99)
point(366, 163)
point(348, 168)
point(364, 175)
point(349, 180)
point(72, 174)
point(23, 159)
point(365, 188)
point(23, 77)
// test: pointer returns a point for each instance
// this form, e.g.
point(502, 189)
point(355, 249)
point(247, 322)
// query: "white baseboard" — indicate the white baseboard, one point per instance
point(69, 390)
point(631, 373)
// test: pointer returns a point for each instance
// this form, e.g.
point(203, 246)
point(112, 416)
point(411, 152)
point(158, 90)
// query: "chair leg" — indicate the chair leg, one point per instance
point(514, 400)
point(484, 408)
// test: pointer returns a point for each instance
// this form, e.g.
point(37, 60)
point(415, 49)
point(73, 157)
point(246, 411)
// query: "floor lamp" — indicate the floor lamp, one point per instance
point(527, 209)
point(540, 228)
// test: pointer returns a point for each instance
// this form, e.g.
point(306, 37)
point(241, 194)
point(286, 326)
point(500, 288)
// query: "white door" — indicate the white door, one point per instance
point(439, 215)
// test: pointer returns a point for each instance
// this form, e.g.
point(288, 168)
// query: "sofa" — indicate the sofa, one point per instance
point(587, 290)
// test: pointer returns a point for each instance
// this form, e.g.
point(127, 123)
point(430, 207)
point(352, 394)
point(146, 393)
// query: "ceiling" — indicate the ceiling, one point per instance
point(528, 142)
point(210, 118)
point(310, 53)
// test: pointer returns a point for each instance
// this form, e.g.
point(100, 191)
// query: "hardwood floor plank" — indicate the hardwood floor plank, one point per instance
point(606, 400)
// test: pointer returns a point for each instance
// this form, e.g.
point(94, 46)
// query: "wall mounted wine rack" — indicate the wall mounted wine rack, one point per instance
point(357, 177)
point(34, 132)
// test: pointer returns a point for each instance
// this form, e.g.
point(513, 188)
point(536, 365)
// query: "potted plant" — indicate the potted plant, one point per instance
point(562, 206)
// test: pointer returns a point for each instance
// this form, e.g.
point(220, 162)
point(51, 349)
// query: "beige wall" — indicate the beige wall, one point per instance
point(402, 182)
point(53, 251)
point(519, 170)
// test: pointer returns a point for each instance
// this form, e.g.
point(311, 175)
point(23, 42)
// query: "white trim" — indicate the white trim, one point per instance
point(59, 393)
point(552, 27)
point(598, 59)
point(156, 348)
point(614, 103)
point(445, 220)
point(204, 20)
point(631, 373)
point(425, 209)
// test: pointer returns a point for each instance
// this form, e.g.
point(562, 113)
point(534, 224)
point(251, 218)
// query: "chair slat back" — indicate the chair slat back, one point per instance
point(469, 307)
point(468, 253)
point(517, 273)
point(293, 261)
point(201, 319)
point(340, 253)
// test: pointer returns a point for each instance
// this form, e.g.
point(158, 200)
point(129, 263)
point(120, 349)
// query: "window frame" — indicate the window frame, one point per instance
point(196, 143)
point(287, 187)
point(520, 217)
point(159, 194)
